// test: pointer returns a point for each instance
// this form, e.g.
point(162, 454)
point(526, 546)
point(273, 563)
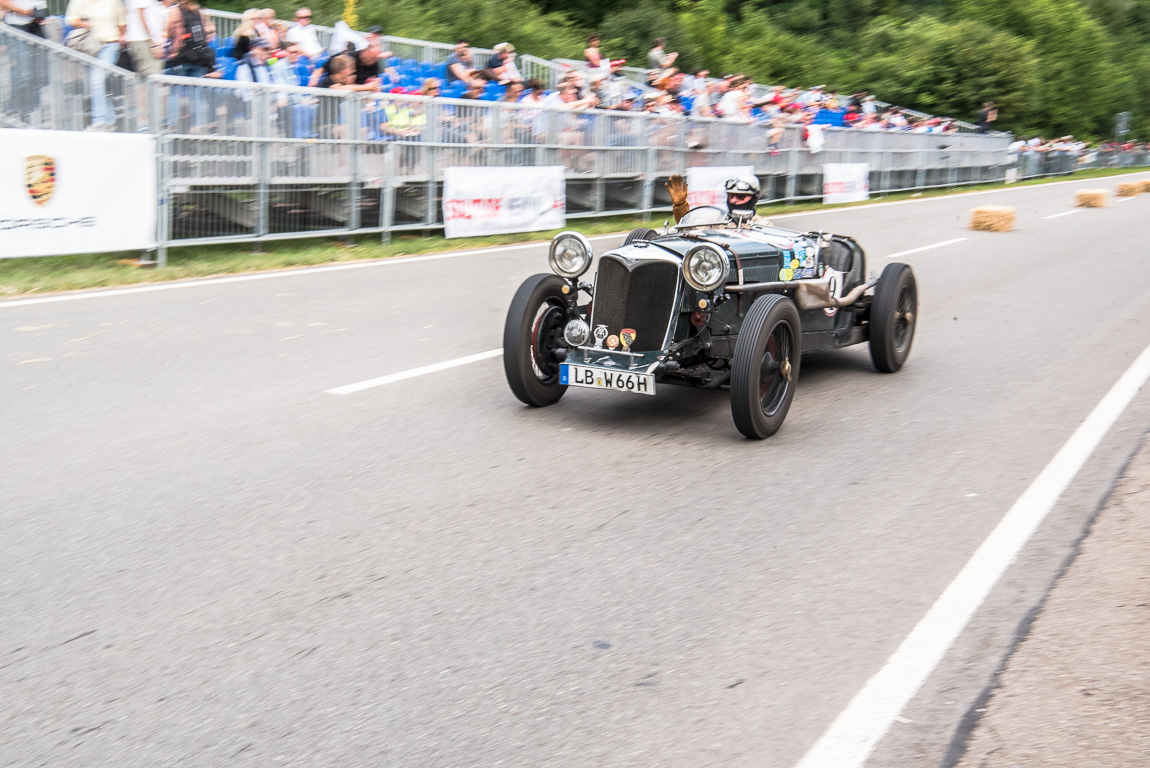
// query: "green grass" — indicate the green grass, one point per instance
point(20, 277)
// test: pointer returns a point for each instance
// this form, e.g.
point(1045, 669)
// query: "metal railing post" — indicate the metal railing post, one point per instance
point(387, 194)
point(650, 169)
point(794, 164)
point(434, 129)
point(259, 144)
point(354, 104)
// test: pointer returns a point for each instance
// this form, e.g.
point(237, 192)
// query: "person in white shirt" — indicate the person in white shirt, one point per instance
point(303, 35)
point(145, 34)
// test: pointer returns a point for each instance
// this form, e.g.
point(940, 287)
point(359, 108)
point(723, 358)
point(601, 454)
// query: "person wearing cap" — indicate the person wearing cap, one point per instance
point(253, 68)
point(302, 33)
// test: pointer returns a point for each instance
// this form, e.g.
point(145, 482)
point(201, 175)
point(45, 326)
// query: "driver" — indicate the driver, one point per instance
point(742, 196)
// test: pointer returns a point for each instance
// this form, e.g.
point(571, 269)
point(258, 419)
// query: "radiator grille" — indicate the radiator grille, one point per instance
point(761, 273)
point(642, 298)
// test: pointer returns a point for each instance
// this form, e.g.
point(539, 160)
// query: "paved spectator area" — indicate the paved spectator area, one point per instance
point(1075, 692)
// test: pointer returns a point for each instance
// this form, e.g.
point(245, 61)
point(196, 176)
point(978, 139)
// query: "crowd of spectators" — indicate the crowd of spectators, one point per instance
point(176, 37)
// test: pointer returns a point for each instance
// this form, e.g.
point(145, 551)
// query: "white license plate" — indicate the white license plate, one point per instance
point(599, 378)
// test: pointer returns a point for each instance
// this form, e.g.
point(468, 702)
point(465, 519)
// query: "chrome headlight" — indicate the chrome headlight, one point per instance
point(570, 254)
point(577, 332)
point(706, 267)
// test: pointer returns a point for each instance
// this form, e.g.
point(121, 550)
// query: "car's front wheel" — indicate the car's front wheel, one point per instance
point(893, 316)
point(765, 368)
point(533, 338)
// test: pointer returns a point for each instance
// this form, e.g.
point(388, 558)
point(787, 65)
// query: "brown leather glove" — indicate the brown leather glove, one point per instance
point(677, 189)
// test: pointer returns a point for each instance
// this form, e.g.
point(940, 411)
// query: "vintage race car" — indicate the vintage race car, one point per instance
point(707, 303)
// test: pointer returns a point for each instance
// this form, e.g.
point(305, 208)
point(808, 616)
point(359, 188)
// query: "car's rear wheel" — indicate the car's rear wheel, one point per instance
point(640, 233)
point(765, 368)
point(893, 316)
point(532, 338)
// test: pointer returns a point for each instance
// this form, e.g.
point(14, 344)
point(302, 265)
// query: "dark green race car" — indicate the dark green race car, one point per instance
point(709, 303)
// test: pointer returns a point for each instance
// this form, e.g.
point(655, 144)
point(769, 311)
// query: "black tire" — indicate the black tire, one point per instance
point(765, 368)
point(534, 323)
point(639, 233)
point(893, 316)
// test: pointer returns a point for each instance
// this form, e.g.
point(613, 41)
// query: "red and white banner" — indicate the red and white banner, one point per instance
point(492, 201)
point(846, 182)
point(706, 186)
point(64, 192)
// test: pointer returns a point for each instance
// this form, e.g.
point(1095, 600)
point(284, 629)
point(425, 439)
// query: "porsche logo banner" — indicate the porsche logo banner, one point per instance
point(491, 201)
point(64, 192)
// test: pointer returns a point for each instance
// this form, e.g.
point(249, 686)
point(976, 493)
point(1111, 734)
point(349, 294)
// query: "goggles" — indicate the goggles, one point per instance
point(739, 187)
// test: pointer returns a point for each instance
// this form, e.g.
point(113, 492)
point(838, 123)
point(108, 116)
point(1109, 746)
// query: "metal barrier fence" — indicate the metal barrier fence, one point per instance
point(1036, 163)
point(249, 162)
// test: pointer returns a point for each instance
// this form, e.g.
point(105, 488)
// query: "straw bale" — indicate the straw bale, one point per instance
point(1129, 188)
point(992, 218)
point(1146, 186)
point(1091, 198)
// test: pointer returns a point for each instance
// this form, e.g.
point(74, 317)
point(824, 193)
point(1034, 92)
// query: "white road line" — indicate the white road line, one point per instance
point(1124, 199)
point(1064, 213)
point(854, 734)
point(926, 248)
point(176, 284)
point(394, 377)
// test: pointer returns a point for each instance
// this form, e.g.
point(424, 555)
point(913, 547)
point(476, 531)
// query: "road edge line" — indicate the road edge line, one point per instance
point(851, 738)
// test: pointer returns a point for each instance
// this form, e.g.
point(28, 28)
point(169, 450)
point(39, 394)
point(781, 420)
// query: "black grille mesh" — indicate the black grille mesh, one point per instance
point(761, 273)
point(641, 298)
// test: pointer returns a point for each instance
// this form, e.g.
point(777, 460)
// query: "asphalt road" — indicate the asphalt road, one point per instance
point(206, 559)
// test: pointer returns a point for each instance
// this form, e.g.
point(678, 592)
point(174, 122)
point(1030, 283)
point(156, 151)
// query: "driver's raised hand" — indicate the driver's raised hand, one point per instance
point(677, 189)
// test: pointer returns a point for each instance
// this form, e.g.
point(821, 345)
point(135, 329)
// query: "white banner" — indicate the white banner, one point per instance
point(846, 182)
point(705, 186)
point(65, 192)
point(491, 201)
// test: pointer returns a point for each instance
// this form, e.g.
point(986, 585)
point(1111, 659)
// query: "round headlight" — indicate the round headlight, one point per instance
point(570, 254)
point(706, 267)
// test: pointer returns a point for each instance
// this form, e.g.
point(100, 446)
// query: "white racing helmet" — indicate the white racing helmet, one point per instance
point(742, 195)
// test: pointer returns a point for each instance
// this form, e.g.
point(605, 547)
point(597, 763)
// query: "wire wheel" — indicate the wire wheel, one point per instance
point(532, 338)
point(893, 317)
point(765, 368)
